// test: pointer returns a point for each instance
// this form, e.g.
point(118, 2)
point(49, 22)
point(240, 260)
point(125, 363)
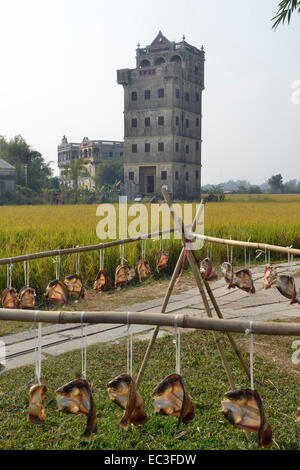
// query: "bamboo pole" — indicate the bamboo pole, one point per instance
point(199, 282)
point(271, 328)
point(229, 336)
point(68, 251)
point(165, 303)
point(257, 246)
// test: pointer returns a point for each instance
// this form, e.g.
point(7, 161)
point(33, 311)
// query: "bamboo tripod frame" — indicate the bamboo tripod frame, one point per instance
point(202, 286)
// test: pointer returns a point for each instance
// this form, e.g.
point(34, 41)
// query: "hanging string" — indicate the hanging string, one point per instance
point(83, 347)
point(122, 253)
point(290, 261)
point(247, 332)
point(9, 274)
point(231, 253)
point(129, 347)
point(26, 273)
point(245, 253)
point(177, 343)
point(37, 347)
point(101, 259)
point(144, 244)
point(227, 246)
point(77, 262)
point(57, 262)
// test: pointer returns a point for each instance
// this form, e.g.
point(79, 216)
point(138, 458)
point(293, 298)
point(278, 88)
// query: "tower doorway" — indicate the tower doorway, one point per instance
point(147, 179)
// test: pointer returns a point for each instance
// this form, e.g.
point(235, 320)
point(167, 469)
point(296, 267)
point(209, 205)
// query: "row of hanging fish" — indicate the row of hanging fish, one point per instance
point(243, 408)
point(243, 279)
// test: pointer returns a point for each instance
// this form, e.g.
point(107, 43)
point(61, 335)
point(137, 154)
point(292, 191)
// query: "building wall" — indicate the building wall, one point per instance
point(175, 118)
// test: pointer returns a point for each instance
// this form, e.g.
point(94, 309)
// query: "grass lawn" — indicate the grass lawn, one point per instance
point(206, 382)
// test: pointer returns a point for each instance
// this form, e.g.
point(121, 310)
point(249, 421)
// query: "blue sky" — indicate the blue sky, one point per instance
point(58, 76)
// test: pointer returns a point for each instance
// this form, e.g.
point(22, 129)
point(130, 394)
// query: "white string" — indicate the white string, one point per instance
point(9, 274)
point(83, 348)
point(57, 262)
point(227, 246)
point(122, 253)
point(245, 253)
point(177, 343)
point(101, 256)
point(129, 347)
point(247, 332)
point(77, 262)
point(37, 347)
point(290, 260)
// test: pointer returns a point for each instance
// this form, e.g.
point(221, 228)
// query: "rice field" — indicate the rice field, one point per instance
point(272, 219)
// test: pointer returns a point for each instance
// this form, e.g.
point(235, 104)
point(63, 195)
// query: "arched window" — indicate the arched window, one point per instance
point(145, 63)
point(176, 58)
point(85, 153)
point(159, 61)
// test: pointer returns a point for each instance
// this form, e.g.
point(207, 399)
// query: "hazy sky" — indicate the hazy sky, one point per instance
point(58, 76)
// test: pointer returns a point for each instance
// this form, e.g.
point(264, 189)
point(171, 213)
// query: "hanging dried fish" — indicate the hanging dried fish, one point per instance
point(298, 416)
point(122, 391)
point(243, 280)
point(227, 271)
point(27, 297)
point(286, 286)
point(244, 408)
point(36, 393)
point(270, 276)
point(207, 269)
point(143, 270)
point(74, 285)
point(101, 281)
point(161, 260)
point(171, 398)
point(9, 298)
point(57, 292)
point(76, 397)
point(124, 274)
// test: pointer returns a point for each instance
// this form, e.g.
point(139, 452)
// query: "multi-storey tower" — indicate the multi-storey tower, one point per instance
point(163, 102)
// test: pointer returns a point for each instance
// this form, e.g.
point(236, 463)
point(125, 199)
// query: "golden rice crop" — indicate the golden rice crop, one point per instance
point(28, 229)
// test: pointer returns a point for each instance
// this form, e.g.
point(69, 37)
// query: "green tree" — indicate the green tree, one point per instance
point(73, 171)
point(18, 153)
point(109, 172)
point(275, 183)
point(285, 10)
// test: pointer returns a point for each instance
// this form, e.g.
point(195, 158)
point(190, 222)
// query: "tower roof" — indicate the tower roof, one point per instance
point(160, 41)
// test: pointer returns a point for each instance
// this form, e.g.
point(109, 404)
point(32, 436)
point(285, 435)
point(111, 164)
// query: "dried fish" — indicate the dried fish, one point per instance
point(36, 393)
point(76, 397)
point(143, 270)
point(27, 297)
point(9, 298)
point(227, 271)
point(171, 398)
point(161, 260)
point(57, 292)
point(286, 286)
point(244, 409)
point(270, 276)
point(124, 274)
point(243, 280)
point(122, 391)
point(101, 281)
point(74, 285)
point(207, 269)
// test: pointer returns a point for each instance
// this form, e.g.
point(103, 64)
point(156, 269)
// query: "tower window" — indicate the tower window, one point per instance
point(187, 176)
point(187, 97)
point(163, 175)
point(177, 120)
point(111, 154)
point(187, 149)
point(147, 94)
point(187, 123)
point(161, 147)
point(134, 96)
point(197, 146)
point(161, 120)
point(161, 92)
point(176, 175)
point(196, 70)
point(177, 93)
point(197, 122)
point(177, 147)
point(147, 122)
point(197, 96)
point(147, 147)
point(133, 122)
point(197, 174)
point(134, 148)
point(131, 176)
